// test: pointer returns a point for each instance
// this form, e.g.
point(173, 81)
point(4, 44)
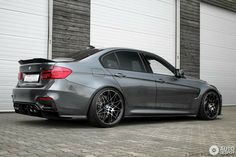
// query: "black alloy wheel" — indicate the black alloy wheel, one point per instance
point(210, 106)
point(107, 108)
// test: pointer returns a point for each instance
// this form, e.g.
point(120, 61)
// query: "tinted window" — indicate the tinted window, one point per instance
point(159, 68)
point(130, 61)
point(110, 61)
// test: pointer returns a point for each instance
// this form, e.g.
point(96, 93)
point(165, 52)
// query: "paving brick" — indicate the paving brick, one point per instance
point(22, 135)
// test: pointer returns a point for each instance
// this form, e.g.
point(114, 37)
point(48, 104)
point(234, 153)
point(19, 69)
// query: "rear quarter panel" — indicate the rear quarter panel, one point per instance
point(87, 78)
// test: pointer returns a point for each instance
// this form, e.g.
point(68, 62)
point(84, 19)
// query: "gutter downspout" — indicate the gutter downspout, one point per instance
point(50, 22)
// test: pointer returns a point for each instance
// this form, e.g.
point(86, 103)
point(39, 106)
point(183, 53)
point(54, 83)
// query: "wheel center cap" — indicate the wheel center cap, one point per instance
point(211, 106)
point(109, 108)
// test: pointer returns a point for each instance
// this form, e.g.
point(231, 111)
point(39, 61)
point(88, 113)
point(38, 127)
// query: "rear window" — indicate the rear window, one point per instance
point(110, 61)
point(85, 53)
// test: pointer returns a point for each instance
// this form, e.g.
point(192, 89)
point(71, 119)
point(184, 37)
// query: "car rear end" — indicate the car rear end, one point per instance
point(59, 88)
point(40, 84)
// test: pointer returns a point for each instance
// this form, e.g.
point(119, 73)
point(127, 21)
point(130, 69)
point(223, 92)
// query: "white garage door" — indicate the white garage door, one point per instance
point(23, 34)
point(141, 24)
point(218, 50)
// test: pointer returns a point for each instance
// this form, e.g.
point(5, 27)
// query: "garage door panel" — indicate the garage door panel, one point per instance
point(21, 18)
point(131, 23)
point(12, 57)
point(226, 28)
point(218, 39)
point(211, 10)
point(9, 84)
point(23, 35)
point(12, 46)
point(220, 70)
point(111, 10)
point(223, 53)
point(8, 81)
point(25, 25)
point(145, 25)
point(218, 50)
point(141, 7)
point(27, 6)
point(223, 18)
point(162, 42)
point(228, 95)
point(22, 43)
point(218, 64)
point(128, 21)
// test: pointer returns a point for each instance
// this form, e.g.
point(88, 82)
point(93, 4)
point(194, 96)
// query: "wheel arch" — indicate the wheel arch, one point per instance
point(211, 90)
point(104, 87)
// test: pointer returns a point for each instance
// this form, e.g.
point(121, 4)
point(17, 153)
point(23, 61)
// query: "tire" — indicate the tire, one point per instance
point(107, 108)
point(210, 106)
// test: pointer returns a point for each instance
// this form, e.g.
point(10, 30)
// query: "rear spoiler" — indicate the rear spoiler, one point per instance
point(35, 60)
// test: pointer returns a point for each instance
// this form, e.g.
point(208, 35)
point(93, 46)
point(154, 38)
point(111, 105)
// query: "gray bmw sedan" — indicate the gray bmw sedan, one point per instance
point(105, 85)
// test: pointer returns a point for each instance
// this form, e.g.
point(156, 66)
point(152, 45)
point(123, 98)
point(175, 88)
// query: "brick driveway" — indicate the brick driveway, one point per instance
point(182, 136)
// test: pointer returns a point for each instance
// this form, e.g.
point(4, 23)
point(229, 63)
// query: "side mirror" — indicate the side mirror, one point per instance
point(179, 73)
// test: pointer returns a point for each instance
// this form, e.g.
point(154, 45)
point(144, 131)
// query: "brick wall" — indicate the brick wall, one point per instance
point(190, 37)
point(71, 27)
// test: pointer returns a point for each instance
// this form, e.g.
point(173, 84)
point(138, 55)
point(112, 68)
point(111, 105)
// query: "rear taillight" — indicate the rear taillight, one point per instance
point(20, 76)
point(55, 73)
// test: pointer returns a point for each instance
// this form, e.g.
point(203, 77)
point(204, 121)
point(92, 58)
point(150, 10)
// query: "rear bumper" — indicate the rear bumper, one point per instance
point(35, 110)
point(68, 98)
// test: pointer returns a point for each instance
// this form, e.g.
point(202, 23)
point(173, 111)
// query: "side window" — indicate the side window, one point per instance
point(130, 61)
point(159, 68)
point(110, 61)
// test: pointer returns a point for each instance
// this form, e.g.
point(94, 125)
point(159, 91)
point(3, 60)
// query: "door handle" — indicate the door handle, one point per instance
point(161, 81)
point(119, 75)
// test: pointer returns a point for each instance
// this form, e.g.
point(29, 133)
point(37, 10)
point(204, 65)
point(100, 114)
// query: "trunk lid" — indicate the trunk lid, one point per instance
point(30, 72)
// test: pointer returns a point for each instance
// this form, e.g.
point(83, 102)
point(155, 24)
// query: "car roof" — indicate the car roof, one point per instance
point(131, 49)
